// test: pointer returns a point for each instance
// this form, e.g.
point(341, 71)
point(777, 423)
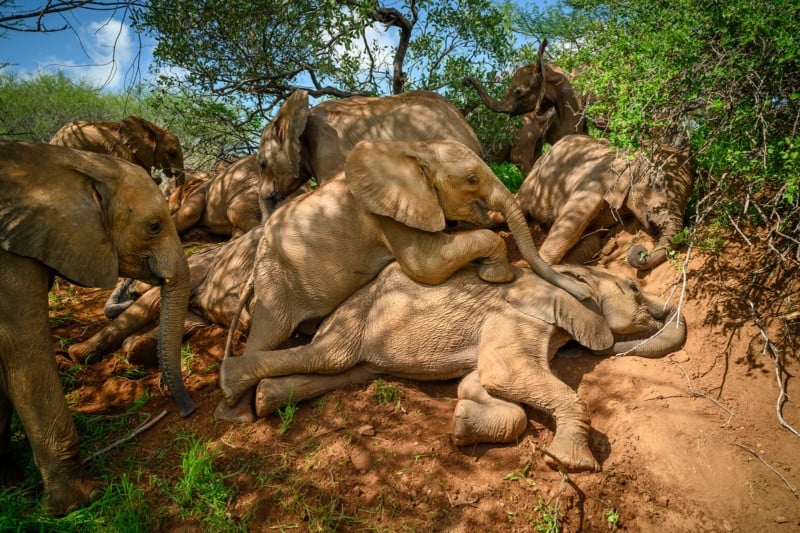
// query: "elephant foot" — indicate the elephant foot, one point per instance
point(271, 395)
point(83, 352)
point(475, 422)
point(496, 272)
point(230, 381)
point(64, 498)
point(571, 454)
point(241, 412)
point(141, 350)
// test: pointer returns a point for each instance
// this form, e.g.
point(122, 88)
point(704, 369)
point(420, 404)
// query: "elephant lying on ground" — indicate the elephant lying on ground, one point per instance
point(543, 93)
point(583, 184)
point(228, 203)
point(301, 144)
point(501, 336)
point(218, 277)
point(133, 139)
point(88, 218)
point(393, 202)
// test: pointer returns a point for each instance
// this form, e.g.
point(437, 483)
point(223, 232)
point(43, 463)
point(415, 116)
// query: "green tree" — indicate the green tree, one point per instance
point(259, 52)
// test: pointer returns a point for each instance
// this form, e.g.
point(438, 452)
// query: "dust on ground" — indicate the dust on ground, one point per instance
point(689, 442)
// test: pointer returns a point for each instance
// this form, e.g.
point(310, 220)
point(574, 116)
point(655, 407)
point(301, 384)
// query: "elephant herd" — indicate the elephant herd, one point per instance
point(373, 252)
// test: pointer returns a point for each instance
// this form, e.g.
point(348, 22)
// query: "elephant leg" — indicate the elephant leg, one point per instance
point(143, 348)
point(574, 217)
point(191, 210)
point(29, 377)
point(141, 314)
point(585, 250)
point(273, 393)
point(479, 417)
point(521, 373)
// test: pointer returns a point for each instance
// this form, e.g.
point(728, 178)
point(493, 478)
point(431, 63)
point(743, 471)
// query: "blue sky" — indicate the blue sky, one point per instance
point(100, 48)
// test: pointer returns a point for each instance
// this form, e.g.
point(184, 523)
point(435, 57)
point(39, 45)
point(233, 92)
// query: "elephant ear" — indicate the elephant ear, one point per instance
point(535, 297)
point(140, 137)
point(395, 179)
point(52, 209)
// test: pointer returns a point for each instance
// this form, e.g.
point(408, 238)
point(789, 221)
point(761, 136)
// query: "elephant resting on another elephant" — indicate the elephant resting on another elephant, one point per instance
point(218, 277)
point(392, 202)
point(400, 327)
point(134, 139)
point(88, 218)
point(583, 184)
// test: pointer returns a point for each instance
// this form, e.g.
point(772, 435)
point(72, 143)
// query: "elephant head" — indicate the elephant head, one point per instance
point(101, 219)
point(425, 184)
point(153, 146)
point(279, 152)
point(660, 188)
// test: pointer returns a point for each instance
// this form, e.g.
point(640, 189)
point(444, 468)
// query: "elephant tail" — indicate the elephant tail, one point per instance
point(244, 297)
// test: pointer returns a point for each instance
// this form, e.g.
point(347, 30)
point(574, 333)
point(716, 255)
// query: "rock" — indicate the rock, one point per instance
point(362, 460)
point(366, 430)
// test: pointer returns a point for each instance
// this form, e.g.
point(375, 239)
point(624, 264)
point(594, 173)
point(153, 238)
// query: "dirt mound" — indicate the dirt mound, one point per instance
point(690, 442)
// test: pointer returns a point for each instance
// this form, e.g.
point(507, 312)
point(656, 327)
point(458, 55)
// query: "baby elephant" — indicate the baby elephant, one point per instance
point(501, 336)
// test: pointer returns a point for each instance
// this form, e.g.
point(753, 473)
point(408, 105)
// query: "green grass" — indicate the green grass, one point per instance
point(384, 393)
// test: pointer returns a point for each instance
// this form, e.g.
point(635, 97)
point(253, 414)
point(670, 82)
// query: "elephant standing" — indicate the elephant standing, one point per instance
point(392, 202)
point(133, 139)
point(300, 144)
point(218, 277)
point(583, 184)
point(501, 336)
point(537, 88)
point(88, 218)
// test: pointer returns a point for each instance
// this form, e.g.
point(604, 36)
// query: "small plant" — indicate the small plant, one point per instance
point(548, 517)
point(521, 476)
point(612, 517)
point(287, 413)
point(384, 393)
point(187, 356)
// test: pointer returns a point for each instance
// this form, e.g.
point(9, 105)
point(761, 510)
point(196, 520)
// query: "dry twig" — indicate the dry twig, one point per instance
point(147, 424)
point(791, 488)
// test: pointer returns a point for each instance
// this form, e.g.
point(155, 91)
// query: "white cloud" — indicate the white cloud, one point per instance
point(108, 57)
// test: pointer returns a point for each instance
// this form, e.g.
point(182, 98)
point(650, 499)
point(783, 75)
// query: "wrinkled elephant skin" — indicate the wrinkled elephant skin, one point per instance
point(583, 184)
point(88, 218)
point(399, 327)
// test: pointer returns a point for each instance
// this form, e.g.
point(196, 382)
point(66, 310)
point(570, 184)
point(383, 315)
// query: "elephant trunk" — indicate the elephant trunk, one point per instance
point(497, 106)
point(668, 339)
point(503, 201)
point(175, 293)
point(642, 259)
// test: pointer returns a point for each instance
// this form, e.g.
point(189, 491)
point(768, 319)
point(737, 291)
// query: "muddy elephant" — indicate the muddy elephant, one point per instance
point(300, 144)
point(218, 275)
point(133, 139)
point(88, 218)
point(583, 184)
point(536, 89)
point(393, 201)
point(501, 336)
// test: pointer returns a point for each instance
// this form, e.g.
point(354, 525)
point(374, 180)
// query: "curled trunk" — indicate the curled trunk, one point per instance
point(497, 106)
point(668, 339)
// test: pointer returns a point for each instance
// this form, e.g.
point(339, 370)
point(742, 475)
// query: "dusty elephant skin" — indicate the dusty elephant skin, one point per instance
point(89, 218)
point(133, 139)
point(583, 184)
point(218, 277)
point(392, 202)
point(542, 92)
point(399, 327)
point(300, 144)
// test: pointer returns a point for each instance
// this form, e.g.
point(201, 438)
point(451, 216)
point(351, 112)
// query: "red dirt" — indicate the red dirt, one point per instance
point(674, 435)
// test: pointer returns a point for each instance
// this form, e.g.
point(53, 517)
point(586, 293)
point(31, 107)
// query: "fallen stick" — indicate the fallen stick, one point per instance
point(147, 424)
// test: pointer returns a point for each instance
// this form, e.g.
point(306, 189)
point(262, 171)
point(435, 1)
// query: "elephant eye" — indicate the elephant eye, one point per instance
point(473, 180)
point(632, 285)
point(154, 227)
